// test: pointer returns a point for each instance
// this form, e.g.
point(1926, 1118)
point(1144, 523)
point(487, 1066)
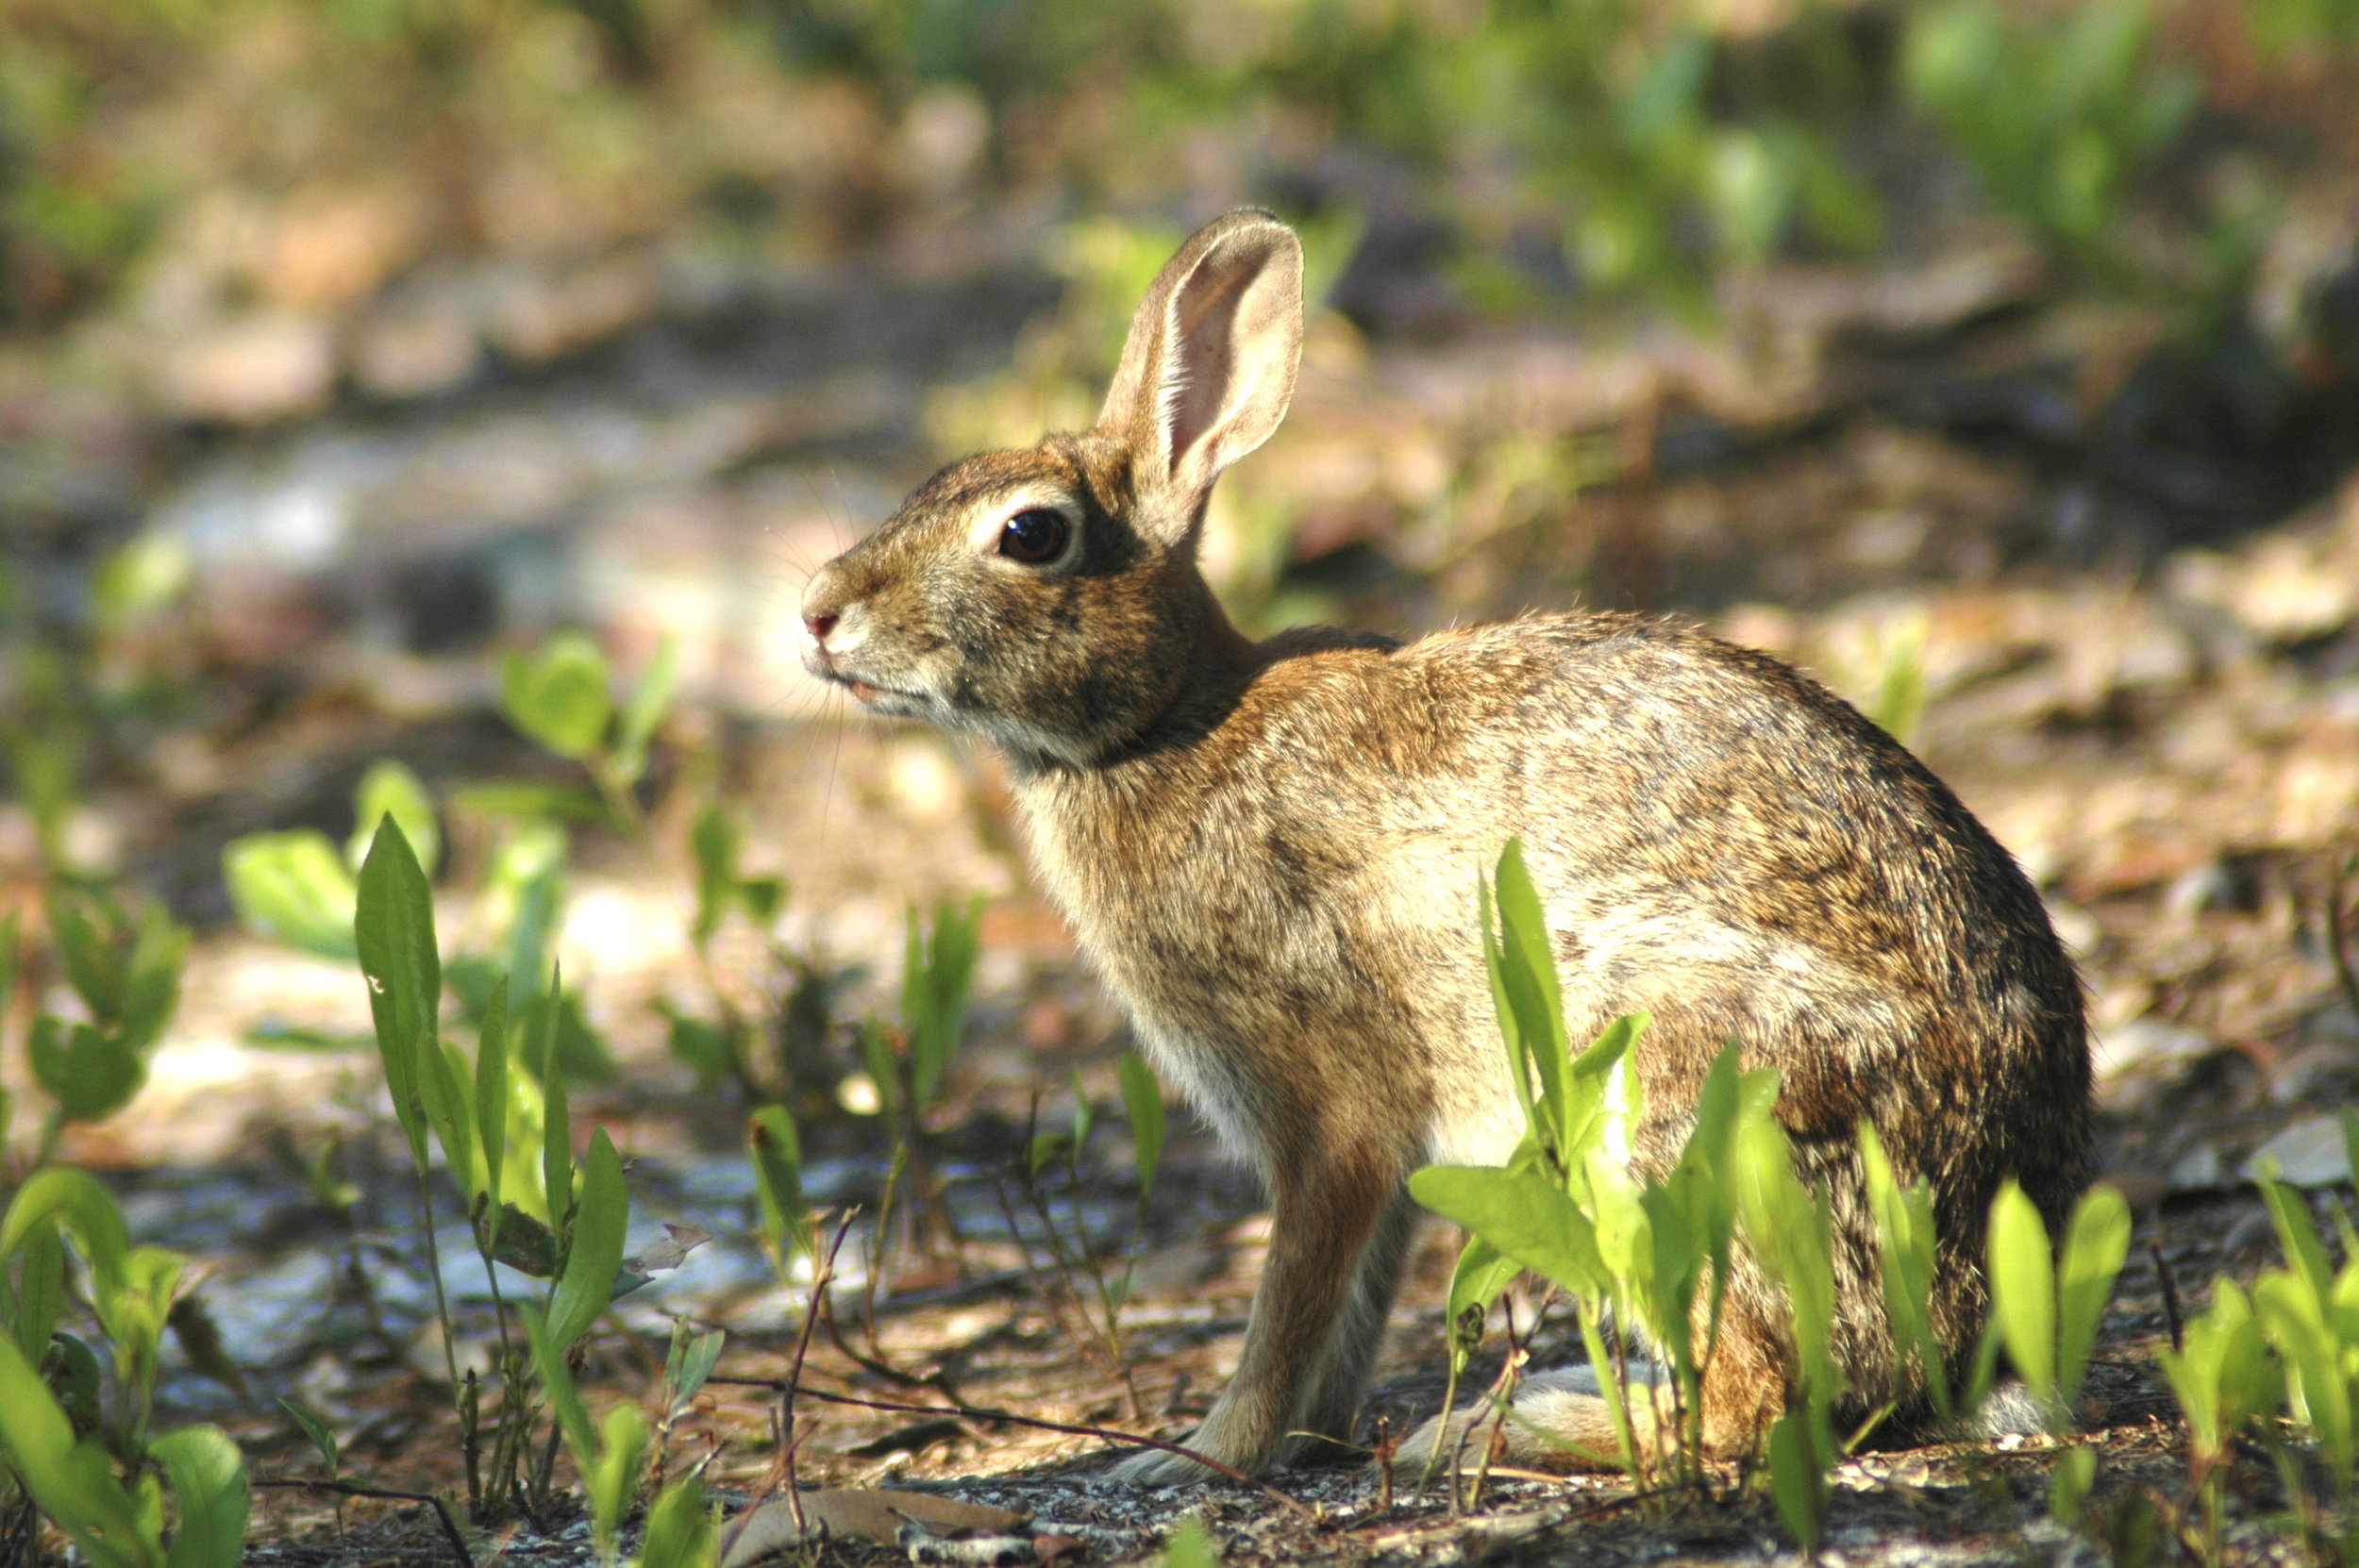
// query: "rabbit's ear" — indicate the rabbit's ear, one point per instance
point(1209, 367)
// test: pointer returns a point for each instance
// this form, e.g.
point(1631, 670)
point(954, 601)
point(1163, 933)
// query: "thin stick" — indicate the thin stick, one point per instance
point(2171, 1294)
point(988, 1413)
point(794, 1373)
point(2338, 868)
point(350, 1489)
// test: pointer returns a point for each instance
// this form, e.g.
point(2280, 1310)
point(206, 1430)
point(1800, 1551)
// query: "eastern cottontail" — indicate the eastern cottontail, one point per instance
point(1271, 850)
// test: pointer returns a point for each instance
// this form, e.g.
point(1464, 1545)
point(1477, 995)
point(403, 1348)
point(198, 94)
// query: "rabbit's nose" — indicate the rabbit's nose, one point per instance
point(819, 625)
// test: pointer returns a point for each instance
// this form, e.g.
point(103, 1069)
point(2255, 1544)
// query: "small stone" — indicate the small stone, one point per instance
point(2310, 1153)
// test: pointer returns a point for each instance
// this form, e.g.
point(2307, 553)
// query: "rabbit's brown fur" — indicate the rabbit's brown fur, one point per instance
point(1271, 850)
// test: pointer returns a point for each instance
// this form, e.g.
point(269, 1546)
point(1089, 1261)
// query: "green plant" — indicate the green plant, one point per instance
point(2059, 113)
point(1649, 1254)
point(1072, 1253)
point(907, 1062)
point(2046, 1308)
point(471, 1113)
point(2224, 1379)
point(105, 1490)
point(126, 972)
point(1786, 1229)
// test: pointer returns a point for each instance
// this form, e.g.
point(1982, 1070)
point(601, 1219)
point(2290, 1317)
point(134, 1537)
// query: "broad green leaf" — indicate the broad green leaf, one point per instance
point(492, 1107)
point(713, 840)
point(687, 1366)
point(208, 1477)
point(391, 789)
point(74, 1199)
point(1190, 1544)
point(393, 930)
point(556, 1381)
point(91, 963)
point(2297, 1233)
point(1526, 1216)
point(1475, 1283)
point(2069, 1484)
point(1143, 1103)
point(1796, 1479)
point(74, 1485)
point(443, 1087)
point(530, 802)
point(679, 1528)
point(937, 973)
point(776, 1154)
point(612, 1479)
point(2023, 1291)
point(1906, 1239)
point(294, 887)
point(40, 1291)
point(11, 954)
point(596, 1254)
point(2097, 1238)
point(151, 988)
point(558, 695)
point(90, 1072)
point(644, 711)
point(1526, 974)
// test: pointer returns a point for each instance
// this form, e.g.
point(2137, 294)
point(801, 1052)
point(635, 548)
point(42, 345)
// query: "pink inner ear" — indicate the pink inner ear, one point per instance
point(1202, 359)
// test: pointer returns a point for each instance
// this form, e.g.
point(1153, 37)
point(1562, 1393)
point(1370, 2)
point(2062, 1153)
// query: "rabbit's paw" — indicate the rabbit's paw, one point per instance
point(1158, 1467)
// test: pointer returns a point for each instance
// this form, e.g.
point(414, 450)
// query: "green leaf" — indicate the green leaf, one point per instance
point(1190, 1544)
point(556, 1380)
point(2069, 1484)
point(776, 1154)
point(644, 711)
point(686, 1365)
point(713, 840)
point(90, 1074)
point(935, 979)
point(294, 887)
point(1524, 973)
point(1526, 1216)
point(2023, 1291)
point(1475, 1283)
point(542, 1019)
point(559, 696)
point(679, 1528)
point(1796, 1479)
point(443, 1086)
point(74, 1199)
point(524, 1243)
point(699, 1045)
point(1907, 1241)
point(151, 989)
point(323, 1436)
point(208, 1477)
point(11, 956)
point(74, 1485)
point(40, 1291)
point(91, 965)
point(491, 1107)
point(1143, 1103)
point(393, 930)
point(596, 1254)
point(391, 789)
point(613, 1479)
point(2097, 1238)
point(532, 802)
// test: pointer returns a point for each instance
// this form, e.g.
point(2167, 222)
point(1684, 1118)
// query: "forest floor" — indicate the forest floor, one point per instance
point(2141, 660)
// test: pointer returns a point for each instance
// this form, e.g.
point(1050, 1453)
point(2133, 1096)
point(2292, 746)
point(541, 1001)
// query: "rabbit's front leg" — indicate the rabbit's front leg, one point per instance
point(1338, 1231)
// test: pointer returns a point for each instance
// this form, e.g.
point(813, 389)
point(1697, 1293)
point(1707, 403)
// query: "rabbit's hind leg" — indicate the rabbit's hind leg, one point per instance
point(1333, 1401)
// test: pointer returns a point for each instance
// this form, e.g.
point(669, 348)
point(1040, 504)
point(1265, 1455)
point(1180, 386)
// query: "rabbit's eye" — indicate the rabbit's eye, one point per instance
point(1035, 536)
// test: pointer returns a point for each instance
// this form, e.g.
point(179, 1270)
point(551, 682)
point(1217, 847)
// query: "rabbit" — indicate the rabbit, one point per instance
point(1271, 850)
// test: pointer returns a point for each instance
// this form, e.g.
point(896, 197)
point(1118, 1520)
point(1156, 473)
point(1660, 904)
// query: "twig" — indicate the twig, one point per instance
point(939, 1380)
point(988, 1413)
point(351, 1489)
point(2171, 1294)
point(794, 1373)
point(2339, 868)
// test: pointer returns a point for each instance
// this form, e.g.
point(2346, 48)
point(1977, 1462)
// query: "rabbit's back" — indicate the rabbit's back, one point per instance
point(1716, 839)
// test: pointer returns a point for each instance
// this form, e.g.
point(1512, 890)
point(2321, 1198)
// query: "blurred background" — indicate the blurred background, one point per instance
point(1998, 360)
